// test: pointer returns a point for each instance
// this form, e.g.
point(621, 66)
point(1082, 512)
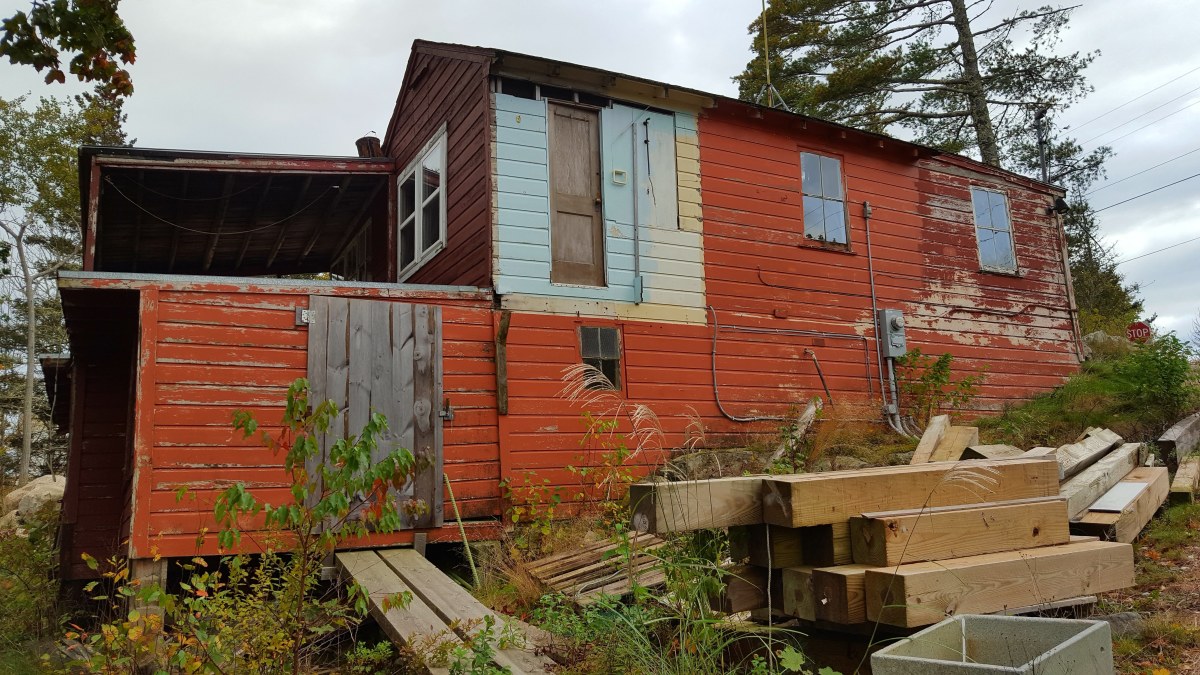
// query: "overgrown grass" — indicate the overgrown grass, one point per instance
point(1137, 394)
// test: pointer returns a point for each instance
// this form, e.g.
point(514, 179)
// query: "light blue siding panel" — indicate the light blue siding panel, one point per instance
point(685, 121)
point(510, 136)
point(521, 153)
point(524, 106)
point(508, 167)
point(521, 186)
point(510, 250)
point(506, 200)
point(525, 235)
point(525, 121)
point(528, 269)
point(531, 219)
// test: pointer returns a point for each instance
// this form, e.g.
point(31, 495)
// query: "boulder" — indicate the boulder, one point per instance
point(13, 499)
point(38, 496)
point(9, 522)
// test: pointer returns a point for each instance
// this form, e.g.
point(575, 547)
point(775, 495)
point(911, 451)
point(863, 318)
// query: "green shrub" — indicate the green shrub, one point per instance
point(28, 587)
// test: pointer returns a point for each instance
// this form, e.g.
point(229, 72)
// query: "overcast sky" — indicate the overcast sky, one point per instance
point(308, 77)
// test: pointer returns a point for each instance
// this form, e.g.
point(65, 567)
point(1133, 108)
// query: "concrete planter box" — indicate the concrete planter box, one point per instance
point(979, 644)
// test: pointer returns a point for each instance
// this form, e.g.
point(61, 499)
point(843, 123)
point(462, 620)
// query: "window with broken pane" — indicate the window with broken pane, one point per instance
point(601, 349)
point(993, 230)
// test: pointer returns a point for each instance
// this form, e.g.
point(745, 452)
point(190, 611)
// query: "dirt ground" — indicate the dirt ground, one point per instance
point(1167, 639)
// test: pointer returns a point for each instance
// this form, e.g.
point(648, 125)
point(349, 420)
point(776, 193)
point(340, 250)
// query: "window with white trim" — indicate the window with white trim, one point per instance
point(993, 230)
point(824, 201)
point(421, 211)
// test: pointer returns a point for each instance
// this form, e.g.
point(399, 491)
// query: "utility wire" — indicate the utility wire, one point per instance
point(1110, 184)
point(1132, 100)
point(1130, 121)
point(1165, 248)
point(1148, 124)
point(1148, 192)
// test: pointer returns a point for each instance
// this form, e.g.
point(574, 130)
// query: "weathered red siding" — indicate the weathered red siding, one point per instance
point(759, 267)
point(448, 85)
point(208, 349)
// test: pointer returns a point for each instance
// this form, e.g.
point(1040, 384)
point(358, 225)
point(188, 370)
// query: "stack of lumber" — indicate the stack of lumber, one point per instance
point(1179, 443)
point(905, 546)
point(596, 569)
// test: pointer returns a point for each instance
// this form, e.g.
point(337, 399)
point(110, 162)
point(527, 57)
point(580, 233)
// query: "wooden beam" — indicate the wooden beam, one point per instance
point(767, 545)
point(138, 218)
point(1181, 439)
point(1093, 482)
point(934, 431)
point(359, 222)
point(253, 221)
point(301, 200)
point(178, 211)
point(342, 188)
point(746, 588)
point(826, 545)
point(695, 504)
point(835, 496)
point(1075, 457)
point(218, 221)
point(889, 539)
point(501, 346)
point(1124, 526)
point(953, 443)
point(840, 593)
point(992, 452)
point(797, 590)
point(1187, 478)
point(924, 593)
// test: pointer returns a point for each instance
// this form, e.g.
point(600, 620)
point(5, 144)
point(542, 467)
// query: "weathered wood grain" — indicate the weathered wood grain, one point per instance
point(889, 539)
point(832, 497)
point(934, 431)
point(799, 599)
point(1126, 525)
point(696, 505)
point(767, 545)
point(1187, 479)
point(924, 593)
point(953, 443)
point(1075, 457)
point(840, 593)
point(1090, 484)
point(993, 452)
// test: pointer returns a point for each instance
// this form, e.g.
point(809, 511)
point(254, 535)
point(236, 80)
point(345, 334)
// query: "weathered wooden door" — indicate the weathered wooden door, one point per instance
point(576, 221)
point(386, 357)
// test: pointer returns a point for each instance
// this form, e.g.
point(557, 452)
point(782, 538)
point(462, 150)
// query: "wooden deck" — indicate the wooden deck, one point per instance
point(441, 611)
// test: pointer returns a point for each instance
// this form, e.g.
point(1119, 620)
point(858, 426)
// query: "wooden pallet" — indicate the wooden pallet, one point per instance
point(595, 570)
point(440, 610)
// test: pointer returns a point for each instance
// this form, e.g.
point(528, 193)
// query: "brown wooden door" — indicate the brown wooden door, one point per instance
point(576, 222)
point(386, 357)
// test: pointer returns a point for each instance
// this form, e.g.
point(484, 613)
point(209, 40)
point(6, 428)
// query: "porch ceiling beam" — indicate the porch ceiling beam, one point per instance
point(175, 233)
point(356, 225)
point(301, 198)
point(294, 165)
point(343, 187)
point(258, 206)
point(137, 219)
point(219, 222)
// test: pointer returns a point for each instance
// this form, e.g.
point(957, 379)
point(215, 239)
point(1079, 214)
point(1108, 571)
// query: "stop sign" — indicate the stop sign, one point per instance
point(1137, 331)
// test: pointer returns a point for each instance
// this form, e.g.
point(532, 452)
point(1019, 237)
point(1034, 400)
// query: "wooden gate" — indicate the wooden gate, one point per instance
point(386, 357)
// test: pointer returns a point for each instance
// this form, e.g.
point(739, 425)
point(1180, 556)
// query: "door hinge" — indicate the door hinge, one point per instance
point(304, 316)
point(447, 411)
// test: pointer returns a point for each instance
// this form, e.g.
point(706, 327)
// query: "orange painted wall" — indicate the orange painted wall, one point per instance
point(221, 349)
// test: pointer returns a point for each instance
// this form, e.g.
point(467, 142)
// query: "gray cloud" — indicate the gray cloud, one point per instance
point(301, 76)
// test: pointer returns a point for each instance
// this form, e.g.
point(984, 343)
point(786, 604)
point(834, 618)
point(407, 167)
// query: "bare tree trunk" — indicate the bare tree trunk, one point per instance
point(30, 360)
point(981, 117)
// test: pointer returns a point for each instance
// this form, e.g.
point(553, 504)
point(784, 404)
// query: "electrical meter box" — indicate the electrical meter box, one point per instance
point(889, 327)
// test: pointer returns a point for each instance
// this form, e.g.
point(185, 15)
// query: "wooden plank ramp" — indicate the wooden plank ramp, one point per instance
point(440, 609)
point(586, 574)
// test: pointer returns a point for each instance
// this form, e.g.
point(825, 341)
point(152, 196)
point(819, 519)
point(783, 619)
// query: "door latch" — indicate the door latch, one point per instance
point(447, 411)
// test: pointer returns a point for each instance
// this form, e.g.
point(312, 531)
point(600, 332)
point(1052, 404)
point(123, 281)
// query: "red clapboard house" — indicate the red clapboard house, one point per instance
point(719, 261)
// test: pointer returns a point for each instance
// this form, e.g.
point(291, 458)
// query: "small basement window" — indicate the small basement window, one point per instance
point(421, 211)
point(824, 201)
point(993, 230)
point(601, 349)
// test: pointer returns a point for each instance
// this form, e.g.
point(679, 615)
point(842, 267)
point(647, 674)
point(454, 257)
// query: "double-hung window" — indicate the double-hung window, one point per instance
point(824, 201)
point(993, 230)
point(421, 210)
